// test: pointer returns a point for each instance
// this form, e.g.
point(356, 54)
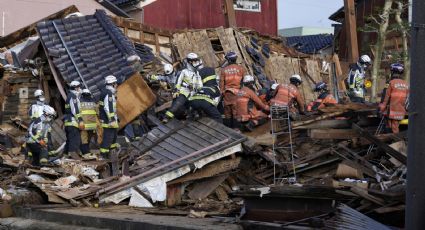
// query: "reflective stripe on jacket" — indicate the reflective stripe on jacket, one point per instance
point(72, 110)
point(89, 113)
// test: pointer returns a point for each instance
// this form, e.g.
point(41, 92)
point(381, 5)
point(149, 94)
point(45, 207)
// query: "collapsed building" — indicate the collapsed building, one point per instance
point(336, 161)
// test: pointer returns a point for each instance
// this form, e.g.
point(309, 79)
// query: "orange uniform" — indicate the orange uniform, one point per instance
point(395, 98)
point(249, 106)
point(230, 80)
point(286, 94)
point(321, 101)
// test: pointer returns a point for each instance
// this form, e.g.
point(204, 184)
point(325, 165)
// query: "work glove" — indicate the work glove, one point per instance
point(381, 107)
point(42, 143)
point(81, 125)
point(113, 124)
point(175, 95)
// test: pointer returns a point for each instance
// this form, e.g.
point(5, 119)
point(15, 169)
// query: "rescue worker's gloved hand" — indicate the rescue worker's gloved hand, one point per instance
point(81, 125)
point(381, 107)
point(42, 143)
point(113, 124)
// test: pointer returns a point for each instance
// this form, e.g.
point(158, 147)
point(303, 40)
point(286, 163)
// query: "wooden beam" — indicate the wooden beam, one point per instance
point(394, 153)
point(351, 30)
point(337, 134)
point(229, 13)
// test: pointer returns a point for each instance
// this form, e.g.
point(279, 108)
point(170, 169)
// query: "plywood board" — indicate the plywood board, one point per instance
point(197, 42)
point(228, 41)
point(202, 189)
point(133, 98)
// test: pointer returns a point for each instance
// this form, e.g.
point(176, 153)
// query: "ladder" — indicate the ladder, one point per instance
point(381, 126)
point(281, 125)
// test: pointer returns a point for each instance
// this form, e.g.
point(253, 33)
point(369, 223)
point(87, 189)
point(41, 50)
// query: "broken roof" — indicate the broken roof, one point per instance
point(310, 44)
point(178, 147)
point(87, 49)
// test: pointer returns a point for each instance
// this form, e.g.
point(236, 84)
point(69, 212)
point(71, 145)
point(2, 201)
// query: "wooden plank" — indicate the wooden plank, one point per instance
point(174, 194)
point(202, 189)
point(327, 124)
point(351, 30)
point(212, 169)
point(230, 13)
point(228, 41)
point(135, 98)
point(394, 153)
point(337, 134)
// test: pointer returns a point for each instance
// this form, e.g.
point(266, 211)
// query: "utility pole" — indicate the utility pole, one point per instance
point(229, 13)
point(351, 30)
point(415, 197)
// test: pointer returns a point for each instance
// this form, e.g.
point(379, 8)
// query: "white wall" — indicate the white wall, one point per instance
point(21, 13)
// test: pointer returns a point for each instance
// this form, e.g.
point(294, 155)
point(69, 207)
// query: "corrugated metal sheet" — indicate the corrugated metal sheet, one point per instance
point(195, 14)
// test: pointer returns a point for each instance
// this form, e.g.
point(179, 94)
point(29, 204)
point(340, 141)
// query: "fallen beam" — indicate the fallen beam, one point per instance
point(333, 134)
point(397, 155)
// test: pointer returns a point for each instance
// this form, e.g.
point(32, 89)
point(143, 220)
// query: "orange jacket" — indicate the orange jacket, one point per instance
point(249, 105)
point(231, 77)
point(396, 97)
point(321, 101)
point(285, 96)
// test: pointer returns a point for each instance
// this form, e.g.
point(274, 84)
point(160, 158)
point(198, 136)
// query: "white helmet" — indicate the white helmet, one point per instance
point(274, 86)
point(295, 79)
point(133, 58)
point(248, 78)
point(365, 59)
point(86, 91)
point(168, 69)
point(74, 84)
point(49, 111)
point(38, 93)
point(192, 56)
point(110, 79)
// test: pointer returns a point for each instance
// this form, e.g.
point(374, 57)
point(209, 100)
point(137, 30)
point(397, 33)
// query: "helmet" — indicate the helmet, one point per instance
point(295, 79)
point(231, 56)
point(168, 69)
point(320, 86)
point(38, 93)
point(193, 60)
point(397, 68)
point(74, 84)
point(49, 111)
point(274, 86)
point(133, 58)
point(110, 79)
point(192, 57)
point(365, 60)
point(248, 78)
point(86, 91)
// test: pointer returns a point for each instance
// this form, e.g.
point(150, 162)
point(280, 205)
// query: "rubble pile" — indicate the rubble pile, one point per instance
point(331, 161)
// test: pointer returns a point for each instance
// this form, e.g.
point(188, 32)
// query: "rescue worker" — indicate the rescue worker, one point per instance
point(38, 139)
point(36, 110)
point(356, 79)
point(249, 107)
point(188, 83)
point(206, 99)
point(89, 110)
point(394, 104)
point(72, 120)
point(287, 94)
point(169, 77)
point(324, 97)
point(231, 78)
point(109, 117)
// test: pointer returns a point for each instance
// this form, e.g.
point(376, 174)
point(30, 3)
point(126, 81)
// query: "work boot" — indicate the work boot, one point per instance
point(44, 162)
point(74, 155)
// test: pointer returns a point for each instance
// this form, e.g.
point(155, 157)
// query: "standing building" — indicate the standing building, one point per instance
point(260, 15)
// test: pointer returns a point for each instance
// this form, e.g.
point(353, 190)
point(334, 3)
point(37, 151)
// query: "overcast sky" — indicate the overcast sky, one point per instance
point(313, 13)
